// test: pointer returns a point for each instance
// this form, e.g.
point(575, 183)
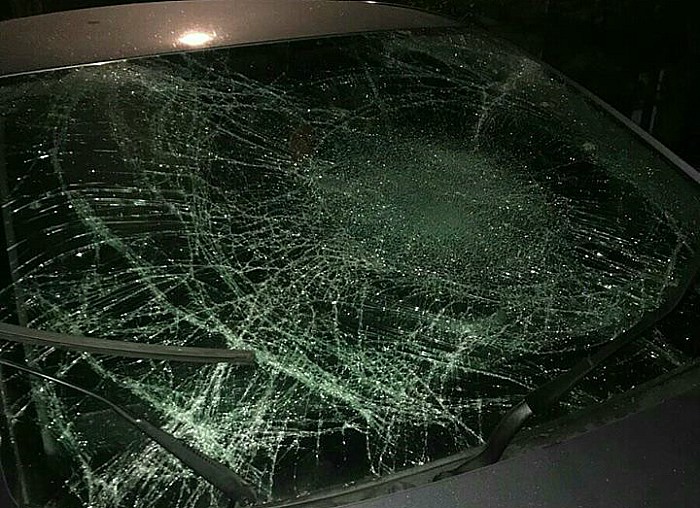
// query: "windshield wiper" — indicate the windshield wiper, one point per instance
point(214, 472)
point(122, 348)
point(545, 396)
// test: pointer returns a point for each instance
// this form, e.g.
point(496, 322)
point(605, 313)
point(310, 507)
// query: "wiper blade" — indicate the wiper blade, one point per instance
point(545, 396)
point(111, 347)
point(214, 472)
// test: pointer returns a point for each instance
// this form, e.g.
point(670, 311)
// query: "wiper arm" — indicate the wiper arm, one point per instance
point(122, 348)
point(537, 401)
point(216, 473)
point(545, 396)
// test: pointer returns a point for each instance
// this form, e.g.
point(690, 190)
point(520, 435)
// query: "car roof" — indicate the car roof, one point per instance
point(103, 34)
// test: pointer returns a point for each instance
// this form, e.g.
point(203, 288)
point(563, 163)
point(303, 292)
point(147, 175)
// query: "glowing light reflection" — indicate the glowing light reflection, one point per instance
point(196, 38)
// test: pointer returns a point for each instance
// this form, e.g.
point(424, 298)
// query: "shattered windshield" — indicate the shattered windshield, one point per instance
point(411, 231)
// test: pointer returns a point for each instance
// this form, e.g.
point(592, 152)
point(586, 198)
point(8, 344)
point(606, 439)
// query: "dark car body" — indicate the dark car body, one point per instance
point(638, 448)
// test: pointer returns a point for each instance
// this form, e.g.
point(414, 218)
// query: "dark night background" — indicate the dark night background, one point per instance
point(641, 56)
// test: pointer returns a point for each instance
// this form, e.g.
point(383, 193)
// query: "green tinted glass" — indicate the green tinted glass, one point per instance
point(410, 231)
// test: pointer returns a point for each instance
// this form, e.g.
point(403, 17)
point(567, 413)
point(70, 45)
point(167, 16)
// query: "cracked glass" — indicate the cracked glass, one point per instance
point(410, 230)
